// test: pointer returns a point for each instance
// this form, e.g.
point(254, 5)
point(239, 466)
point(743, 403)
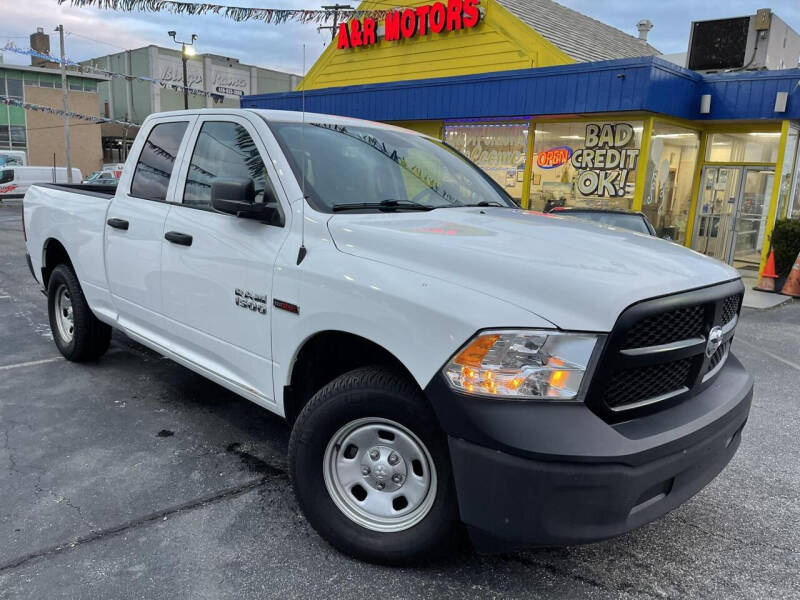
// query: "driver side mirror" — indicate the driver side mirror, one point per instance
point(237, 196)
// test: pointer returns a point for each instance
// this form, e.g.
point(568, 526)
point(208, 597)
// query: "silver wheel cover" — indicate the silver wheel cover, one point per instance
point(65, 321)
point(379, 474)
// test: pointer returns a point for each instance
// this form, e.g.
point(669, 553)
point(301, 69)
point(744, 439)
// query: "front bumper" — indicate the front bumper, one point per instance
point(530, 474)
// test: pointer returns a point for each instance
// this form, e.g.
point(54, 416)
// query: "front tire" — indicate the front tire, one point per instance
point(78, 334)
point(371, 470)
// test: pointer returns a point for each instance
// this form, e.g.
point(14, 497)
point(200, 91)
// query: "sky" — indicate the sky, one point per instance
point(94, 32)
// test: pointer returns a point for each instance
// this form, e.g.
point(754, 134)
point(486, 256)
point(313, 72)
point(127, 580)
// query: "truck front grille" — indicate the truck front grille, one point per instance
point(673, 325)
point(730, 307)
point(629, 386)
point(658, 352)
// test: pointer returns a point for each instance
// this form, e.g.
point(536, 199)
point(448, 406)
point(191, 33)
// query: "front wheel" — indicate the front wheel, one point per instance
point(371, 470)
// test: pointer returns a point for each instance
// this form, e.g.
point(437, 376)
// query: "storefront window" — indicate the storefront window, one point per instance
point(788, 170)
point(590, 164)
point(670, 173)
point(753, 147)
point(793, 209)
point(497, 148)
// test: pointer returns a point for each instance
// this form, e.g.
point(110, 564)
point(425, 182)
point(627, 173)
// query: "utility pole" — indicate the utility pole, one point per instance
point(185, 79)
point(335, 8)
point(186, 52)
point(64, 96)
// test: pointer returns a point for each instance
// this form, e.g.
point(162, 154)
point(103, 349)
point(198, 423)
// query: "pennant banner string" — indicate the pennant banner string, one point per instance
point(62, 113)
point(11, 47)
point(274, 16)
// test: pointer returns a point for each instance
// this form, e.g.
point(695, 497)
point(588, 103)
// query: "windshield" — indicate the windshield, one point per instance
point(624, 221)
point(371, 168)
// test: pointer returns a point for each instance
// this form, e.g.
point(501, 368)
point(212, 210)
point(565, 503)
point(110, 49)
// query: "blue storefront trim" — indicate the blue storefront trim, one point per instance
point(647, 84)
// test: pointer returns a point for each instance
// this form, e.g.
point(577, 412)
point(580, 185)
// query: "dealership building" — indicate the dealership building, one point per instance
point(561, 109)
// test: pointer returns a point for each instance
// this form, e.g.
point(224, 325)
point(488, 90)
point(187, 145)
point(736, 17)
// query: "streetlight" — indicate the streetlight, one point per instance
point(186, 52)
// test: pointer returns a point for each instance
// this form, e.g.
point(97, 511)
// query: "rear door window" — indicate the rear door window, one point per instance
point(154, 169)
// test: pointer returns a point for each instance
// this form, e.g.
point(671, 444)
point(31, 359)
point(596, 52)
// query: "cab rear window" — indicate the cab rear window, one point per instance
point(6, 175)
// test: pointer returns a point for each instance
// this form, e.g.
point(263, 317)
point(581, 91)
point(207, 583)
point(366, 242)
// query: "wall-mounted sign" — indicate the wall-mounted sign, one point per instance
point(606, 160)
point(170, 69)
point(554, 157)
point(230, 80)
point(411, 22)
point(231, 91)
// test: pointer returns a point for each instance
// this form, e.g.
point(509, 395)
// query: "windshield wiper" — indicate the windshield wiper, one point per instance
point(489, 203)
point(387, 205)
point(481, 203)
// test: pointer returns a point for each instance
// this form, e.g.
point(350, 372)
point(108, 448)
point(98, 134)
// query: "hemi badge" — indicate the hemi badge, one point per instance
point(287, 306)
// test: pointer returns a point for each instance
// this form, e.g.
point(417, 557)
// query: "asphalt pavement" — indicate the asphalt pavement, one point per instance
point(135, 478)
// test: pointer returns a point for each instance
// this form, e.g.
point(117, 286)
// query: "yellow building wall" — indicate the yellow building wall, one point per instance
point(431, 128)
point(500, 42)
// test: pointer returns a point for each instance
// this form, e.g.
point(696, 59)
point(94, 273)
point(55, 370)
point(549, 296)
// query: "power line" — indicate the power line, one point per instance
point(60, 126)
point(91, 39)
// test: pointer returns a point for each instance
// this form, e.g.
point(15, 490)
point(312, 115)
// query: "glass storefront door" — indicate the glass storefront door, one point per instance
point(751, 216)
point(732, 213)
point(719, 193)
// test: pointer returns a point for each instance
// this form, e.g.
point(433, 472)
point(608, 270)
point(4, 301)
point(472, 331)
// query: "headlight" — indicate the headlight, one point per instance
point(522, 364)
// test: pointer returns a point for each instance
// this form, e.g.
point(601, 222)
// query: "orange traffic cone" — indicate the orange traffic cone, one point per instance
point(792, 285)
point(766, 281)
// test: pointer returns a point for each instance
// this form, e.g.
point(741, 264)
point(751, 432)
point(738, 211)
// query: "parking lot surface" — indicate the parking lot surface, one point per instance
point(135, 478)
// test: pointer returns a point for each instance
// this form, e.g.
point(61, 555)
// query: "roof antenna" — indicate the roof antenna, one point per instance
point(301, 253)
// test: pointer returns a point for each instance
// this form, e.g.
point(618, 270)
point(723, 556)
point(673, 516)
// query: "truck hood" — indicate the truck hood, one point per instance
point(575, 274)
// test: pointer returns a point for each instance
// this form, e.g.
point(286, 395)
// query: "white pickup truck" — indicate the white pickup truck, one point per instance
point(442, 356)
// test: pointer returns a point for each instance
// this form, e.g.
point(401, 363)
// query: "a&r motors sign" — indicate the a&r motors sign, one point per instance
point(411, 22)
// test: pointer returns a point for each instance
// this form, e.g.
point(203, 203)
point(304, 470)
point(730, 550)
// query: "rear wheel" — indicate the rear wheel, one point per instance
point(78, 334)
point(371, 470)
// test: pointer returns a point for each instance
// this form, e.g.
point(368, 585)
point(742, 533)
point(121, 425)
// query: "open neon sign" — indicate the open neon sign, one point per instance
point(411, 22)
point(554, 157)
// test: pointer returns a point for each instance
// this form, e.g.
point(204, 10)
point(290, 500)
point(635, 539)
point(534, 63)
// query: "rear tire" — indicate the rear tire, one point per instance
point(371, 469)
point(78, 334)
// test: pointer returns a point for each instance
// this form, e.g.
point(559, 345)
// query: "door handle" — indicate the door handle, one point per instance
point(118, 224)
point(176, 237)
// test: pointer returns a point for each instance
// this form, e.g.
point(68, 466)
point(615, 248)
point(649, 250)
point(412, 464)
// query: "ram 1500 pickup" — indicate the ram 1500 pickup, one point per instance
point(442, 356)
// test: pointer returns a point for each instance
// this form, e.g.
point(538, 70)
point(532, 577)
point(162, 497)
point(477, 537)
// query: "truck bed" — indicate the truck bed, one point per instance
point(86, 189)
point(75, 216)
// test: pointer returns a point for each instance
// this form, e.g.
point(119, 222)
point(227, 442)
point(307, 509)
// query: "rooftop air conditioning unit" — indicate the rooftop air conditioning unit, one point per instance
point(759, 41)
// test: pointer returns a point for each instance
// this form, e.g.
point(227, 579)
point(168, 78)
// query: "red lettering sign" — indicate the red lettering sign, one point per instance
point(392, 26)
point(405, 24)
